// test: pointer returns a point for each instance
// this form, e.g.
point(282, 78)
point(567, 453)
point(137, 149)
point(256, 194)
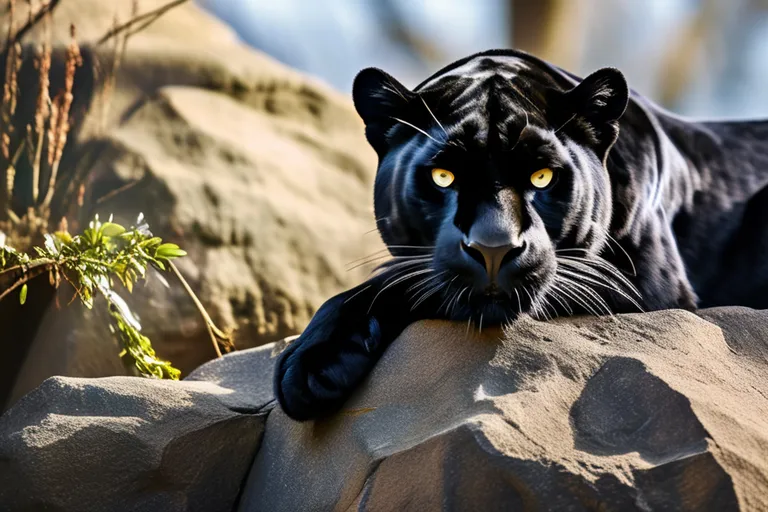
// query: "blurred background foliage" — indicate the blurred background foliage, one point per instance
point(696, 57)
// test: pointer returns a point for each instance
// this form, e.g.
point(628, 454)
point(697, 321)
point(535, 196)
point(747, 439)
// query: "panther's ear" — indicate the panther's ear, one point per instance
point(601, 97)
point(597, 103)
point(378, 98)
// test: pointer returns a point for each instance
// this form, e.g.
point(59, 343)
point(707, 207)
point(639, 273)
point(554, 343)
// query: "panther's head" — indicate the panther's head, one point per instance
point(488, 171)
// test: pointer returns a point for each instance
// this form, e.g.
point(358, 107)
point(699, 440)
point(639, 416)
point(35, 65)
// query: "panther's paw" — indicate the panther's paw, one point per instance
point(320, 369)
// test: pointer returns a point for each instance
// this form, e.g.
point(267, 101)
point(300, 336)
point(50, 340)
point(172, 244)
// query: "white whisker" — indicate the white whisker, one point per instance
point(458, 298)
point(578, 298)
point(588, 294)
point(534, 305)
point(399, 267)
point(425, 288)
point(358, 293)
point(373, 260)
point(448, 297)
point(566, 123)
point(415, 128)
point(584, 264)
point(424, 247)
point(428, 294)
point(393, 91)
point(546, 305)
point(396, 281)
point(435, 118)
point(555, 292)
point(424, 281)
point(631, 263)
point(609, 284)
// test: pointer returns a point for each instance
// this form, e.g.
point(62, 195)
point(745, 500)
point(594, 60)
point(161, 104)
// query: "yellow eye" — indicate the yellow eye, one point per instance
point(442, 178)
point(542, 177)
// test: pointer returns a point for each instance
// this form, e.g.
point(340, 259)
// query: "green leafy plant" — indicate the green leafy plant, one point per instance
point(93, 262)
point(106, 258)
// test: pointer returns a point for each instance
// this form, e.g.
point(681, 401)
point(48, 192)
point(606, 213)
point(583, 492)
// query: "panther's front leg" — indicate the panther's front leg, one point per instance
point(343, 341)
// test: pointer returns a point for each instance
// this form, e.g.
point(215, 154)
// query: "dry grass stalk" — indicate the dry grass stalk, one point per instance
point(9, 84)
point(11, 22)
point(42, 107)
point(8, 109)
point(10, 97)
point(60, 111)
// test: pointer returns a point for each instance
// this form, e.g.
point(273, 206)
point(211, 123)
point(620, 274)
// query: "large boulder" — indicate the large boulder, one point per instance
point(658, 411)
point(132, 444)
point(261, 173)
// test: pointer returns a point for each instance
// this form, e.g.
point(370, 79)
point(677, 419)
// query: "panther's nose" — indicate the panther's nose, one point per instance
point(492, 257)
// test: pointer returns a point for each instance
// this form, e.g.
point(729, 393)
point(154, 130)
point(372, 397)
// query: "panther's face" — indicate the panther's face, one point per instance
point(490, 173)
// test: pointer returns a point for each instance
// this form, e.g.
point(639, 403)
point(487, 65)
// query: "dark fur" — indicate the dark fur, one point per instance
point(661, 212)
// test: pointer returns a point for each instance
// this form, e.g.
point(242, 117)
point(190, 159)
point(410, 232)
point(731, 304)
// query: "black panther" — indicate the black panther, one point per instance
point(508, 186)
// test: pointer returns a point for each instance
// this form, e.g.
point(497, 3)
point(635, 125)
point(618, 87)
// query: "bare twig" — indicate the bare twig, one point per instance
point(23, 273)
point(145, 19)
point(32, 21)
point(217, 336)
point(112, 193)
point(118, 55)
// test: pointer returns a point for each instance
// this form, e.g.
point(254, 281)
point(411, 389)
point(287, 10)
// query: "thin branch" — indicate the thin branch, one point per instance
point(10, 180)
point(21, 281)
point(27, 272)
point(112, 193)
point(118, 54)
point(32, 21)
point(149, 18)
point(214, 332)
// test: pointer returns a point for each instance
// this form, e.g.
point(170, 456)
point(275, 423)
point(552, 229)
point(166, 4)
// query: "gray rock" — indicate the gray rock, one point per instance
point(658, 411)
point(661, 411)
point(132, 444)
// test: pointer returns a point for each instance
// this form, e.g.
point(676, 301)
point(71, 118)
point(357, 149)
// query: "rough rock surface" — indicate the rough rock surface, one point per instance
point(261, 173)
point(130, 444)
point(659, 411)
point(662, 411)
